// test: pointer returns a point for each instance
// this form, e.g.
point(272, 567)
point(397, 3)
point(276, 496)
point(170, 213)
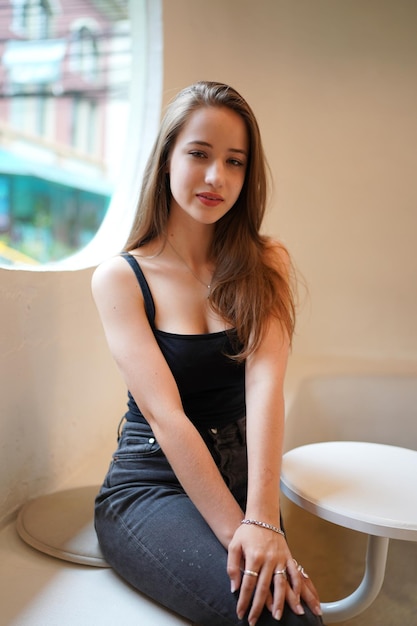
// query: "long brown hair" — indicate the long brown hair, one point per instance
point(247, 286)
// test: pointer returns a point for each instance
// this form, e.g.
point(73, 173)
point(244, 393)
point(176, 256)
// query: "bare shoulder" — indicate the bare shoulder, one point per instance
point(109, 271)
point(114, 280)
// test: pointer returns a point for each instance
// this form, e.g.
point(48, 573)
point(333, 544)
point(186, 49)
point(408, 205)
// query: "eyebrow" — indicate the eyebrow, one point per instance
point(209, 145)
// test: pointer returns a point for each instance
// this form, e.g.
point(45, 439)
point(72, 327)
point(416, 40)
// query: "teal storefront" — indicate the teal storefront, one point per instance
point(49, 212)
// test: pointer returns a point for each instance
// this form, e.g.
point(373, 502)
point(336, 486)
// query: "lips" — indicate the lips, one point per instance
point(210, 199)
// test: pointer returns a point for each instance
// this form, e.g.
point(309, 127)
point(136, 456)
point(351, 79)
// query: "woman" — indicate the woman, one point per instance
point(198, 313)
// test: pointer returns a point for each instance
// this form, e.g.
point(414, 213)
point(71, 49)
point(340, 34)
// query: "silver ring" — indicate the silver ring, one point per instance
point(281, 572)
point(302, 572)
point(249, 572)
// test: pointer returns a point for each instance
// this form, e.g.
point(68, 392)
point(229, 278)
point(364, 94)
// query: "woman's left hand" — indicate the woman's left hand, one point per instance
point(299, 585)
point(262, 567)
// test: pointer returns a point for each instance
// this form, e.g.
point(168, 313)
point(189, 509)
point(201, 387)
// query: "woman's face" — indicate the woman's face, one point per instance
point(207, 164)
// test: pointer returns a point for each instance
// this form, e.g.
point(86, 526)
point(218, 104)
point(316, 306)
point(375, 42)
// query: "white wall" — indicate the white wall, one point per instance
point(60, 392)
point(333, 85)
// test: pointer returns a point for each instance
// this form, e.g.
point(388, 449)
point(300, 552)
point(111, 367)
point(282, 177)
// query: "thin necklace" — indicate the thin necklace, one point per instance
point(188, 267)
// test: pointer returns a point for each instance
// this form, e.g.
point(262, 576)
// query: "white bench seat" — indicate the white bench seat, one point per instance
point(40, 590)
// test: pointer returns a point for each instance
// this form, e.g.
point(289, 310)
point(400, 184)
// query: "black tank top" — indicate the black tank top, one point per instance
point(211, 385)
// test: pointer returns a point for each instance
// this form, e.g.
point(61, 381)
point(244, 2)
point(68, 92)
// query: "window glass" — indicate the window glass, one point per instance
point(65, 72)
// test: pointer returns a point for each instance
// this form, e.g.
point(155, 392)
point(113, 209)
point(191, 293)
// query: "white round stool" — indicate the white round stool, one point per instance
point(61, 524)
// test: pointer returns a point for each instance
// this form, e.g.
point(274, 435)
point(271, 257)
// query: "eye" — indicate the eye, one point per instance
point(198, 154)
point(236, 163)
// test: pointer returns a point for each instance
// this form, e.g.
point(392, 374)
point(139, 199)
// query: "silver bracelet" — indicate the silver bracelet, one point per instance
point(264, 525)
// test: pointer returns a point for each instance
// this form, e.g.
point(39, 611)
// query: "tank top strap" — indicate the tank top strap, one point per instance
point(147, 296)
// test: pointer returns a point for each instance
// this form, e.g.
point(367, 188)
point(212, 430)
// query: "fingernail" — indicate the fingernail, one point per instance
point(277, 615)
point(300, 610)
point(233, 586)
point(318, 610)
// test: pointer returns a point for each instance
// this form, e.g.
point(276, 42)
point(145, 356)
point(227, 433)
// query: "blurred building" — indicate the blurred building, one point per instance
point(64, 65)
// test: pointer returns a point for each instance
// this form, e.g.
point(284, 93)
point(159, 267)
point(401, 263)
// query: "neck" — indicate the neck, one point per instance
point(194, 246)
point(199, 269)
point(192, 238)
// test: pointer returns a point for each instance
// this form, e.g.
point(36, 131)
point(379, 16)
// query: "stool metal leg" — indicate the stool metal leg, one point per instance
point(369, 588)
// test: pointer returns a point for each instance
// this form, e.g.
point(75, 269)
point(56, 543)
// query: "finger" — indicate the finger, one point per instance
point(308, 592)
point(247, 590)
point(234, 571)
point(293, 591)
point(294, 601)
point(280, 586)
point(269, 601)
point(310, 596)
point(294, 577)
point(261, 596)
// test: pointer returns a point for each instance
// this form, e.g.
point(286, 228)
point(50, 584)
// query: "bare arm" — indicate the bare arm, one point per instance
point(262, 550)
point(258, 549)
point(120, 304)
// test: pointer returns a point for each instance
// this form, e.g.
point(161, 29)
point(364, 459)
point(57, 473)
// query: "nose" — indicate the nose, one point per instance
point(215, 174)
